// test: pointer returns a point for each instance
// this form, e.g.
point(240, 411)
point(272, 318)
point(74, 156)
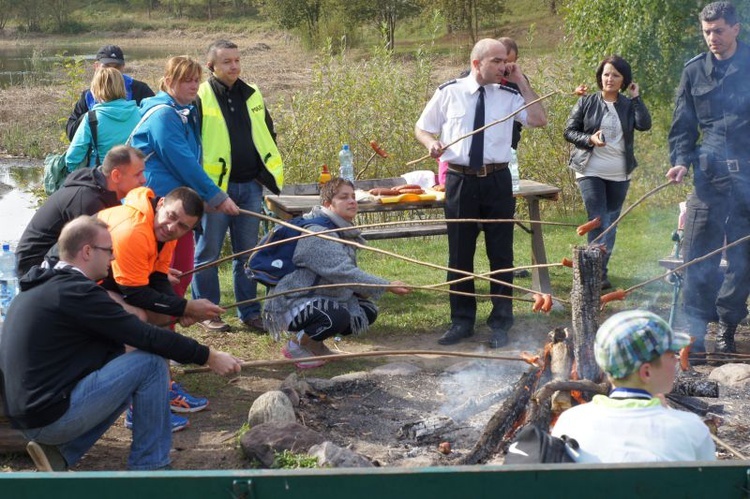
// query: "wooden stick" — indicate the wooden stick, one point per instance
point(488, 125)
point(387, 253)
point(630, 208)
point(728, 447)
point(368, 226)
point(347, 356)
point(355, 284)
point(687, 264)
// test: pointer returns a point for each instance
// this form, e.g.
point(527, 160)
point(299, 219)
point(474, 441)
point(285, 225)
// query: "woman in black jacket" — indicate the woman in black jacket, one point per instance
point(601, 127)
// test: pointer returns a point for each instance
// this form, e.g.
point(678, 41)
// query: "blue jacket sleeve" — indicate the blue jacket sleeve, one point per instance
point(170, 142)
point(79, 146)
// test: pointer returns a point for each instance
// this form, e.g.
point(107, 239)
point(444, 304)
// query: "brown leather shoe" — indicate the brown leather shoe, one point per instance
point(255, 324)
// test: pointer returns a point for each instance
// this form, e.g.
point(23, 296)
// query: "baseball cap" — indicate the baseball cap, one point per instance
point(628, 339)
point(111, 54)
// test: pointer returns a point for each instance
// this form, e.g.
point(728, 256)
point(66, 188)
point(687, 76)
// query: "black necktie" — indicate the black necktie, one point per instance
point(476, 151)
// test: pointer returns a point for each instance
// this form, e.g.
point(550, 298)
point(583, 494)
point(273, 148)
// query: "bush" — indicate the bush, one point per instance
point(354, 102)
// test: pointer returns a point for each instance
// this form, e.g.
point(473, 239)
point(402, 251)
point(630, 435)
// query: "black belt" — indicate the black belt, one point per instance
point(483, 171)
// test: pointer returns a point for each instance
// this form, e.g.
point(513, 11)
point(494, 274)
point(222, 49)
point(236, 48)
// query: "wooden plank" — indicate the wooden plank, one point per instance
point(396, 232)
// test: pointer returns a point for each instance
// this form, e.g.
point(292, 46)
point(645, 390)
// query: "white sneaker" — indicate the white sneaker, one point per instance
point(293, 350)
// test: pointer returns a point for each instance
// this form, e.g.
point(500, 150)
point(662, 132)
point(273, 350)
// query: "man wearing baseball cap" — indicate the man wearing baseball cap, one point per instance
point(638, 352)
point(108, 56)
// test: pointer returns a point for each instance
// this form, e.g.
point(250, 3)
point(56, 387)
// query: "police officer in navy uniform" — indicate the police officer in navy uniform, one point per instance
point(478, 183)
point(710, 131)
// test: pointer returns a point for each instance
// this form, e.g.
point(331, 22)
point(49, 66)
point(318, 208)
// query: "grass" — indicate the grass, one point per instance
point(644, 238)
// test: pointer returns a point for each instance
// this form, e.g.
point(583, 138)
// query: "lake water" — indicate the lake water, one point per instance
point(17, 202)
point(22, 64)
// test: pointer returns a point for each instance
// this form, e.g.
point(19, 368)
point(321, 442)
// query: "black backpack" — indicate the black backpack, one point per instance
point(533, 445)
point(269, 265)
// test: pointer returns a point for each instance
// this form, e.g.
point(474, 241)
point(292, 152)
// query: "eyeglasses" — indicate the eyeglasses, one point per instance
point(110, 250)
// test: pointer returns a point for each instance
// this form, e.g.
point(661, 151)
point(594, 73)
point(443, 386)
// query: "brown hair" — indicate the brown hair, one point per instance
point(191, 201)
point(108, 85)
point(329, 189)
point(179, 68)
point(78, 233)
point(120, 156)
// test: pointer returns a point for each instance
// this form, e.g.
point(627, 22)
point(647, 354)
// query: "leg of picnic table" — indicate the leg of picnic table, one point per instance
point(539, 276)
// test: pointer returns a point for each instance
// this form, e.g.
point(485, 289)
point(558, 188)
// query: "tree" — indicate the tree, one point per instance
point(31, 13)
point(295, 14)
point(655, 36)
point(7, 10)
point(466, 15)
point(384, 13)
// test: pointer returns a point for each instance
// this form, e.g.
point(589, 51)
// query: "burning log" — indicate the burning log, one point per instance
point(560, 365)
point(587, 283)
point(509, 415)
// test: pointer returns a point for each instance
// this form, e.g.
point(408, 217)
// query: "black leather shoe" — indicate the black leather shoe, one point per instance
point(499, 338)
point(456, 333)
point(606, 284)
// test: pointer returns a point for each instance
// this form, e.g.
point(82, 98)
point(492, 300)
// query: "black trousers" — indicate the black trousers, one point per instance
point(718, 210)
point(322, 318)
point(490, 197)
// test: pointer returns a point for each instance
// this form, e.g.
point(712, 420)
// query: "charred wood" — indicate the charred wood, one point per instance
point(587, 282)
point(503, 421)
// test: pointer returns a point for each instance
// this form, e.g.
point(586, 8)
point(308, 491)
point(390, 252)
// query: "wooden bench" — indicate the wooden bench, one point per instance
point(298, 199)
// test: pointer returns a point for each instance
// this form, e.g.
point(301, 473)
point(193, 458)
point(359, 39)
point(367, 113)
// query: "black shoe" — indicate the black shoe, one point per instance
point(499, 338)
point(606, 284)
point(521, 273)
point(46, 457)
point(724, 343)
point(456, 333)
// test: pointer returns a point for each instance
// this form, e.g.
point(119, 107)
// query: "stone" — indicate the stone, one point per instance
point(396, 369)
point(271, 407)
point(735, 375)
point(331, 455)
point(262, 442)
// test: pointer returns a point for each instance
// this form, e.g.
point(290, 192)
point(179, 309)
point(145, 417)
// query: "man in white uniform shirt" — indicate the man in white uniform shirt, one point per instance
point(478, 183)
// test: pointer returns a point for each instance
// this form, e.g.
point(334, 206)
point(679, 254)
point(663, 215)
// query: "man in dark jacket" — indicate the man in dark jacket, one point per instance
point(64, 372)
point(710, 127)
point(241, 157)
point(86, 191)
point(108, 56)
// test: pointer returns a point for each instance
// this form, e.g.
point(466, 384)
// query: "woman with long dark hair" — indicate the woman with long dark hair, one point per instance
point(601, 126)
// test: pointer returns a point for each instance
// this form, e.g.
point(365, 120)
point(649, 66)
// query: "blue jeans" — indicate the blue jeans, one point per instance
point(603, 199)
point(97, 401)
point(243, 232)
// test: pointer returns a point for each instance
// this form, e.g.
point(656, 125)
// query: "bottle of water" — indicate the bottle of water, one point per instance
point(513, 167)
point(346, 162)
point(8, 279)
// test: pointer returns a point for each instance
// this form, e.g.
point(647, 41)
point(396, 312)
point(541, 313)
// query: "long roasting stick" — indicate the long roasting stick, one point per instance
point(630, 208)
point(427, 156)
point(387, 253)
point(347, 356)
point(427, 221)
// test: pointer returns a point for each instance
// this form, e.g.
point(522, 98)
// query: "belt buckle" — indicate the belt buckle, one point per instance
point(482, 172)
point(733, 165)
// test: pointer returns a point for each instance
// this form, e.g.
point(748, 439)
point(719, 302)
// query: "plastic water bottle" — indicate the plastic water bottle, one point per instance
point(513, 167)
point(8, 279)
point(346, 164)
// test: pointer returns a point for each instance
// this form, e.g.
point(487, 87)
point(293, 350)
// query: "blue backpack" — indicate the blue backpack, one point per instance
point(268, 265)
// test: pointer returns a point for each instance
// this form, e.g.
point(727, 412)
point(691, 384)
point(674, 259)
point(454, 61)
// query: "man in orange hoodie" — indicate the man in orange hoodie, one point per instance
point(144, 231)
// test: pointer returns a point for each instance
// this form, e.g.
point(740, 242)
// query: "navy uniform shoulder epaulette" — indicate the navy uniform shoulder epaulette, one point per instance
point(508, 89)
point(698, 57)
point(451, 82)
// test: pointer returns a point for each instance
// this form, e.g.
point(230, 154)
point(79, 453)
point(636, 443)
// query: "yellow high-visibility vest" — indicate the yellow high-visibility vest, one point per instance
point(217, 149)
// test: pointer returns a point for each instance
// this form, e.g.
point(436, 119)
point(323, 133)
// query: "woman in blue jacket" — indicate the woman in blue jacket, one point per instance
point(169, 135)
point(601, 126)
point(116, 117)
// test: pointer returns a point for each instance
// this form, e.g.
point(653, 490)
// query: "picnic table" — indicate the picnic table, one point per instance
point(298, 199)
